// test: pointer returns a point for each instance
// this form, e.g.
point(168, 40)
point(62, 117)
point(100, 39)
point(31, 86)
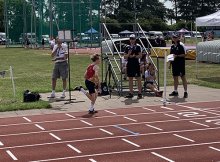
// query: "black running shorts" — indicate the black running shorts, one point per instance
point(90, 86)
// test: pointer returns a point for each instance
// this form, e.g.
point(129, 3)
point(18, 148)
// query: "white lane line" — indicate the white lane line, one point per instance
point(73, 148)
point(206, 111)
point(130, 119)
point(148, 109)
point(199, 109)
point(86, 123)
point(53, 135)
point(214, 148)
point(70, 116)
point(103, 117)
point(130, 151)
point(25, 118)
point(110, 133)
point(184, 138)
point(199, 123)
point(1, 144)
point(110, 112)
point(115, 137)
point(154, 127)
point(172, 116)
point(162, 157)
point(40, 127)
point(127, 124)
point(162, 107)
point(11, 155)
point(92, 160)
point(132, 143)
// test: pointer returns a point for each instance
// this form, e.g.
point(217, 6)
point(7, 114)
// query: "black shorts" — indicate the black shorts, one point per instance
point(178, 70)
point(90, 86)
point(133, 70)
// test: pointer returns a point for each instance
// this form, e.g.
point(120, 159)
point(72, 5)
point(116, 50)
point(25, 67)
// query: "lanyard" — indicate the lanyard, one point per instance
point(58, 52)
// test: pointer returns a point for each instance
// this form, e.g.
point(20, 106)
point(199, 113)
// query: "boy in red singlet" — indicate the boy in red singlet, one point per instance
point(91, 81)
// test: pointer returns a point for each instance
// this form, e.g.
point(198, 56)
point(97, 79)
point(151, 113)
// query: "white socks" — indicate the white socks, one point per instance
point(83, 91)
point(91, 108)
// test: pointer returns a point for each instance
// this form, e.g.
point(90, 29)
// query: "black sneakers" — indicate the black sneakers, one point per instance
point(174, 94)
point(93, 111)
point(139, 96)
point(185, 95)
point(129, 95)
point(77, 88)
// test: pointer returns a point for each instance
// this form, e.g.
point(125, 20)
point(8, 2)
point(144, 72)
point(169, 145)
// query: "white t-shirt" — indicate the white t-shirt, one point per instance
point(147, 74)
point(60, 53)
point(124, 61)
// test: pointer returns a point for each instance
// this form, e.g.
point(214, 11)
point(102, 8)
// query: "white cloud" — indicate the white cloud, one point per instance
point(168, 4)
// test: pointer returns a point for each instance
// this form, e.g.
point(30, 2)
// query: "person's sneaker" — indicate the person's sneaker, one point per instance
point(77, 88)
point(139, 96)
point(52, 95)
point(129, 95)
point(174, 94)
point(63, 95)
point(92, 111)
point(185, 95)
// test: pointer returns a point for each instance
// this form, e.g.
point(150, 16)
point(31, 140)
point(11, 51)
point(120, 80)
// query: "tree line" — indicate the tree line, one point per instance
point(151, 14)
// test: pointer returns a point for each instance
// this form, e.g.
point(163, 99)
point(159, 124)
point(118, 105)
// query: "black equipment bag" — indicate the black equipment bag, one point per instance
point(31, 96)
point(104, 88)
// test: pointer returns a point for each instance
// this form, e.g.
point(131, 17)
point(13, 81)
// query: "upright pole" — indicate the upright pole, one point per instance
point(196, 54)
point(90, 9)
point(41, 19)
point(35, 23)
point(25, 23)
point(51, 18)
point(80, 23)
point(5, 19)
point(69, 71)
point(165, 80)
point(135, 15)
point(12, 80)
point(32, 23)
point(6, 22)
point(105, 10)
point(73, 16)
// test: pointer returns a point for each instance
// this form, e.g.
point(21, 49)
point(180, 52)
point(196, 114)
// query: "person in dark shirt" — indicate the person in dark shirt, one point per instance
point(178, 66)
point(42, 43)
point(132, 55)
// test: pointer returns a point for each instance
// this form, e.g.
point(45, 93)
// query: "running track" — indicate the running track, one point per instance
point(187, 132)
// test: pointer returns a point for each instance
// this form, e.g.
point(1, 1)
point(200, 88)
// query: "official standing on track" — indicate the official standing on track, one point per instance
point(178, 66)
point(132, 55)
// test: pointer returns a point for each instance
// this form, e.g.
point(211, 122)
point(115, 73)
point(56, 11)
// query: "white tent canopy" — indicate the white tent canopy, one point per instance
point(209, 20)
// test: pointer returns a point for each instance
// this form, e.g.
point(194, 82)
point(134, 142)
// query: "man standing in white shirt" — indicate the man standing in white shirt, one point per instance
point(59, 55)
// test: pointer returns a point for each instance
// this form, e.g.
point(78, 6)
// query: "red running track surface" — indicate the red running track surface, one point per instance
point(187, 132)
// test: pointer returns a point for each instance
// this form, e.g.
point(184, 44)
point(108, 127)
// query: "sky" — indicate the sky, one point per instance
point(168, 4)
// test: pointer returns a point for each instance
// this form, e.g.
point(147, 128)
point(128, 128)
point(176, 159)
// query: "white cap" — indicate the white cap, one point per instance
point(132, 36)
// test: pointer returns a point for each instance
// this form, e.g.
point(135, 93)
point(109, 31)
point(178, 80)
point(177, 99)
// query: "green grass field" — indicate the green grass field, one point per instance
point(32, 70)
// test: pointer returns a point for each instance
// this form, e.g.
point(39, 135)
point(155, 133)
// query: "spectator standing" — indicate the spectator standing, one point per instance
point(178, 66)
point(59, 55)
point(132, 55)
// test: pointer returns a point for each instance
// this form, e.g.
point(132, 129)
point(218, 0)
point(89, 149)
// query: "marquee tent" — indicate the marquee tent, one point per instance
point(209, 20)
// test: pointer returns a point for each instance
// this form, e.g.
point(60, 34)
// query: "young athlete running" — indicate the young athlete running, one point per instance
point(91, 81)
